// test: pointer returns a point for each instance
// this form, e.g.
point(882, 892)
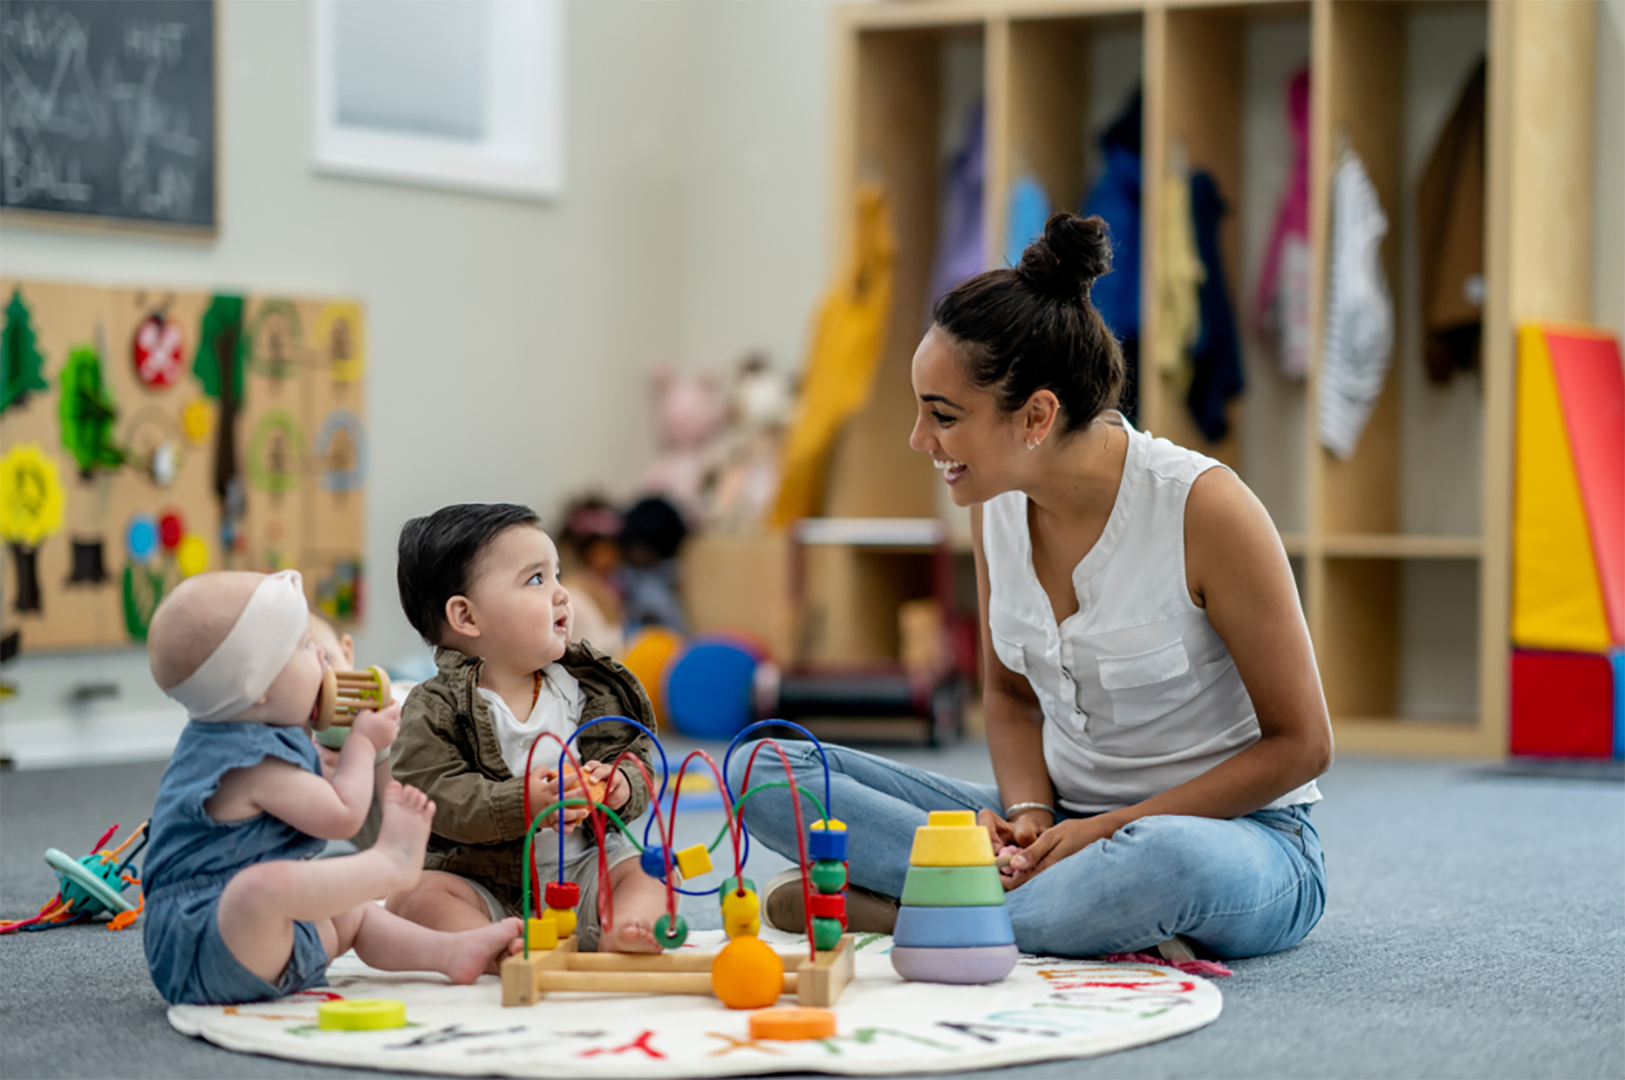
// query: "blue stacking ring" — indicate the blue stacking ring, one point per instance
point(953, 927)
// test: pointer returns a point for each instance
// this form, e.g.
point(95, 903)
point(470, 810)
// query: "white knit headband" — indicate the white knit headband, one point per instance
point(237, 674)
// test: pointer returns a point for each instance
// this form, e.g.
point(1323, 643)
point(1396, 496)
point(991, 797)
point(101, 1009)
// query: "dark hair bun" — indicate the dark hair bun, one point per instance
point(1066, 260)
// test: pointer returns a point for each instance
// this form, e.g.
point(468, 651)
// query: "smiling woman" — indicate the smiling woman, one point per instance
point(1153, 711)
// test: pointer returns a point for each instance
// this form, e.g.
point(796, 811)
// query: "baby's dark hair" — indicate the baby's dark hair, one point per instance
point(1031, 327)
point(437, 554)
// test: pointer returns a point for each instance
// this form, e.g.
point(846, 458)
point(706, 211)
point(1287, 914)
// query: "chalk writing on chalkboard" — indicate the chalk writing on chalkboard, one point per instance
point(107, 109)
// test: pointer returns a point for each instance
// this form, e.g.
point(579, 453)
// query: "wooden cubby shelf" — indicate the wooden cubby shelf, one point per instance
point(1402, 552)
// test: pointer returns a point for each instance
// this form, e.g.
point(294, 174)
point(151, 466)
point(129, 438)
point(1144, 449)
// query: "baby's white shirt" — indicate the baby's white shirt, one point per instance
point(558, 709)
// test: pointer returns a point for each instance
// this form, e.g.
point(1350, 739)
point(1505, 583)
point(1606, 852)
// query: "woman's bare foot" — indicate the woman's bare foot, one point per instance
point(630, 935)
point(403, 836)
point(473, 953)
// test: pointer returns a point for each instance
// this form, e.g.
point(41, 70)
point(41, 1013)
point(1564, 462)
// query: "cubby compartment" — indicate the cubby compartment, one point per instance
point(1394, 73)
point(1218, 105)
point(913, 88)
point(1400, 663)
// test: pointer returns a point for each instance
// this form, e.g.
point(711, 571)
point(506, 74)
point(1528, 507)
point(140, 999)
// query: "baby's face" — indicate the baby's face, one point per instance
point(338, 651)
point(292, 698)
point(524, 614)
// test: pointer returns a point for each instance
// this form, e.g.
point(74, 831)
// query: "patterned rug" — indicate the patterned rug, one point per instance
point(1046, 1009)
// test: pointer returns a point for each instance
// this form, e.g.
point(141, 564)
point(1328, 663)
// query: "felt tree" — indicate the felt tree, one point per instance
point(20, 358)
point(87, 410)
point(219, 363)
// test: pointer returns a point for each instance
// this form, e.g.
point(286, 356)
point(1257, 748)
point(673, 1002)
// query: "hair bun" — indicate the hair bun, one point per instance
point(1067, 259)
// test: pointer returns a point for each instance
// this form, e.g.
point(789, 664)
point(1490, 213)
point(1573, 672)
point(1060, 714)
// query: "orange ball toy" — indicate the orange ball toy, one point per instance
point(747, 974)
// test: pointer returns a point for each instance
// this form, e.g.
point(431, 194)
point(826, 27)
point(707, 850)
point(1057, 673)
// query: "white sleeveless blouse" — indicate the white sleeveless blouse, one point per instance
point(1139, 692)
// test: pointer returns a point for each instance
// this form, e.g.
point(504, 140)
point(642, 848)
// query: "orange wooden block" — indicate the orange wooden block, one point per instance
point(792, 1025)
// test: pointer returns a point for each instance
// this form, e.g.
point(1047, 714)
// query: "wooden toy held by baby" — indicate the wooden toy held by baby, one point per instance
point(344, 694)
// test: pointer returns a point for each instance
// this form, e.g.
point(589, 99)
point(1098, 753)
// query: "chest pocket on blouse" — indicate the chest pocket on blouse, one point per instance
point(1009, 636)
point(1148, 685)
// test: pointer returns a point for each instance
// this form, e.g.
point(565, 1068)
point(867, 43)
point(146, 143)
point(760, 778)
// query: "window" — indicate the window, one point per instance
point(465, 94)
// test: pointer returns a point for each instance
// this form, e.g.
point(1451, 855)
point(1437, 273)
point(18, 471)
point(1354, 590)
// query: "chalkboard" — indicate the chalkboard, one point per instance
point(107, 110)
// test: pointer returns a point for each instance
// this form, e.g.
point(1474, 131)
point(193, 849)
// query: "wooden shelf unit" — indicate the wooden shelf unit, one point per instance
point(1402, 552)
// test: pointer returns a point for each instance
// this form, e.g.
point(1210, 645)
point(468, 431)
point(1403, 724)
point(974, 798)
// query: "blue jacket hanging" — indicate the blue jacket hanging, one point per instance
point(1116, 198)
point(1216, 374)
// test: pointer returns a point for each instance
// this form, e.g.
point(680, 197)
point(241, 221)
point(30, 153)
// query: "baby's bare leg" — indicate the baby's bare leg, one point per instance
point(441, 901)
point(639, 901)
point(260, 905)
point(390, 943)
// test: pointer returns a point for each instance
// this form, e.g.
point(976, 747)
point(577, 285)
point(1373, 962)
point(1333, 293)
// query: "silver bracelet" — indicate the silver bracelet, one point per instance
point(1010, 811)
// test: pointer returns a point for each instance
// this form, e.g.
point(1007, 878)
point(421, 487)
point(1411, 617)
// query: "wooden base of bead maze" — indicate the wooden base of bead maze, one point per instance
point(526, 980)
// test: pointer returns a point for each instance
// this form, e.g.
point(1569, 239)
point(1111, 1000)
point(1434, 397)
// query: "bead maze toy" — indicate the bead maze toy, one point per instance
point(746, 973)
point(90, 885)
point(952, 926)
point(343, 695)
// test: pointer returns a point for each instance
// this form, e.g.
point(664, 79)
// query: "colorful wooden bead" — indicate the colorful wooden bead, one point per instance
point(693, 862)
point(747, 974)
point(564, 919)
point(828, 875)
point(826, 934)
point(827, 840)
point(562, 894)
point(731, 885)
point(671, 932)
point(653, 862)
point(829, 906)
point(543, 933)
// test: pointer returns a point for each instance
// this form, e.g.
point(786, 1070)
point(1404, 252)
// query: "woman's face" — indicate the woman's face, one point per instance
point(959, 424)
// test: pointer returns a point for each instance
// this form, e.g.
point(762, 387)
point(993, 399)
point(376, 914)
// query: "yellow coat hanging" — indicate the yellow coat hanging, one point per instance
point(846, 349)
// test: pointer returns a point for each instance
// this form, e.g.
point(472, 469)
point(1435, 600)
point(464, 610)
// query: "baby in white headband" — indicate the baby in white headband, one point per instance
point(237, 909)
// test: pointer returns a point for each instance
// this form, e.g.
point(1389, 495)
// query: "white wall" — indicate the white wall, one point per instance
point(1608, 254)
point(509, 338)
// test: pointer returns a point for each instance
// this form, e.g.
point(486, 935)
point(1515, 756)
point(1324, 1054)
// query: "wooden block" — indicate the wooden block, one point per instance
point(624, 982)
point(521, 974)
point(951, 845)
point(689, 960)
point(821, 980)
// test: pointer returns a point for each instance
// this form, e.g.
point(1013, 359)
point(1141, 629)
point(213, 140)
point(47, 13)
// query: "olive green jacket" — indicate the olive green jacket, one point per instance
point(448, 749)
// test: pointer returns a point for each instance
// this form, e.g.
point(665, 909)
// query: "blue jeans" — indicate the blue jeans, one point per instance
point(1243, 887)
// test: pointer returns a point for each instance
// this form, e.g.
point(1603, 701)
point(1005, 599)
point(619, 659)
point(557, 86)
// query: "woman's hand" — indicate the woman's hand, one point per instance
point(1027, 827)
point(1056, 843)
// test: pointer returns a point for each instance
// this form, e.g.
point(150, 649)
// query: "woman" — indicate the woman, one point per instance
point(1153, 712)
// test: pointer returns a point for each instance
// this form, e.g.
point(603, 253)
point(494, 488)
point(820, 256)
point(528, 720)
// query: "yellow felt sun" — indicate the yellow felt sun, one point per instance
point(31, 496)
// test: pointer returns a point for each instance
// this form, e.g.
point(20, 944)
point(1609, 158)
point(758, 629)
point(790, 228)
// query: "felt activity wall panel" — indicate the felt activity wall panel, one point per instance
point(1557, 598)
point(176, 432)
point(1591, 389)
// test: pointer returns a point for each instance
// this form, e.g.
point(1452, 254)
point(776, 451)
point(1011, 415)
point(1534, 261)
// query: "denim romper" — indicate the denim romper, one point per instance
point(191, 856)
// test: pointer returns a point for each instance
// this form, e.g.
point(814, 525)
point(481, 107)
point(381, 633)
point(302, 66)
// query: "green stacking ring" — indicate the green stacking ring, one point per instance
point(952, 886)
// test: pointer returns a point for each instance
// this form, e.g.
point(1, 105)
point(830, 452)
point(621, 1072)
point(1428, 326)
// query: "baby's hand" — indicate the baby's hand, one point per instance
point(610, 783)
point(378, 728)
point(545, 790)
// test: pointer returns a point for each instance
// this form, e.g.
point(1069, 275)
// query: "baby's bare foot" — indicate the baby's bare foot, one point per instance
point(403, 836)
point(631, 935)
point(473, 953)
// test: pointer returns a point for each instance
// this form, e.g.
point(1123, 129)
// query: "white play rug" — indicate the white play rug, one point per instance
point(1047, 1008)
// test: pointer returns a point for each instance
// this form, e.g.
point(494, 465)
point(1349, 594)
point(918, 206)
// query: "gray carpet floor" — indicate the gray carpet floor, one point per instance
point(1475, 928)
